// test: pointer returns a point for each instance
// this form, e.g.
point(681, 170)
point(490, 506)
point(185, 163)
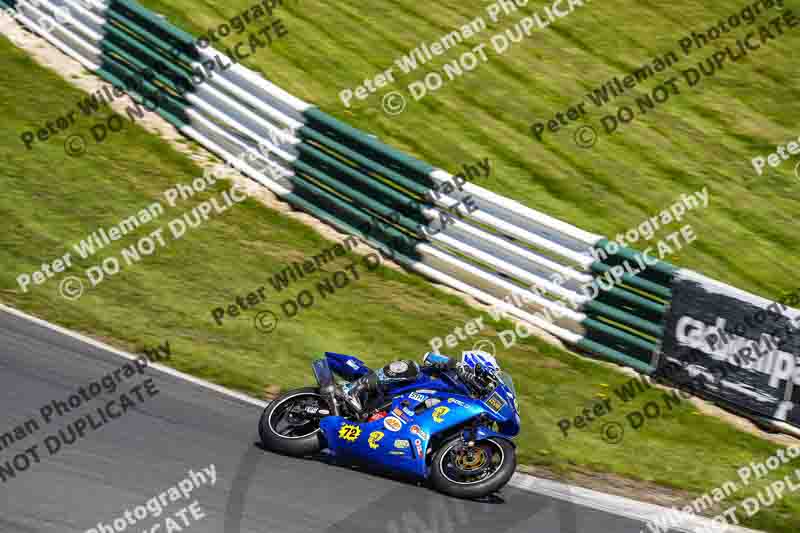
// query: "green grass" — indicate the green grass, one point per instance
point(50, 201)
point(706, 136)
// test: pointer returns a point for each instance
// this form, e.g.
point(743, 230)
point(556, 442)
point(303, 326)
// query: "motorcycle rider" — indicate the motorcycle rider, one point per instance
point(370, 390)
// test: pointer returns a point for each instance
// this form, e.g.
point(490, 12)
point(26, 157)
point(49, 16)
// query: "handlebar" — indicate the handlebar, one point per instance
point(478, 380)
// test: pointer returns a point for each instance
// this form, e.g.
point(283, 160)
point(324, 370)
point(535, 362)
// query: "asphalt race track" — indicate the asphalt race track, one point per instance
point(186, 426)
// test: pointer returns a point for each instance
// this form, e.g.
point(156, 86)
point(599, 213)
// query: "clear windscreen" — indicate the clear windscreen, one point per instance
point(505, 377)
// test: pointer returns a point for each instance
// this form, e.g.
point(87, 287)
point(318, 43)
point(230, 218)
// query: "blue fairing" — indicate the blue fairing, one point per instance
point(425, 413)
point(346, 366)
point(400, 442)
point(483, 433)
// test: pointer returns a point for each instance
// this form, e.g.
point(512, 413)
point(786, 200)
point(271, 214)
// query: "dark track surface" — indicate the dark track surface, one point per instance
point(152, 447)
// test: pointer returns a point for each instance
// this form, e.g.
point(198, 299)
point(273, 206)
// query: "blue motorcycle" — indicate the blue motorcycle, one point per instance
point(451, 425)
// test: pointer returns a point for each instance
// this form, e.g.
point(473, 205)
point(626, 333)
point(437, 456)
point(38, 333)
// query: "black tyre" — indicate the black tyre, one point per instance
point(286, 426)
point(473, 473)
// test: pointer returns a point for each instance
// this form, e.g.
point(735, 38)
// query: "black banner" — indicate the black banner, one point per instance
point(733, 346)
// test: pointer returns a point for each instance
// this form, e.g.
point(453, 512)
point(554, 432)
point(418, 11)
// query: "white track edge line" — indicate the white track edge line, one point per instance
point(165, 369)
point(617, 505)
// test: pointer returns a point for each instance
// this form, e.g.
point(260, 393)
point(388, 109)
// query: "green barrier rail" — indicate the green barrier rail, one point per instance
point(598, 349)
point(135, 29)
point(620, 335)
point(346, 227)
point(394, 177)
point(625, 299)
point(161, 100)
point(357, 198)
point(160, 63)
point(172, 32)
point(634, 281)
point(630, 254)
point(402, 203)
point(354, 138)
point(114, 54)
point(387, 234)
point(646, 326)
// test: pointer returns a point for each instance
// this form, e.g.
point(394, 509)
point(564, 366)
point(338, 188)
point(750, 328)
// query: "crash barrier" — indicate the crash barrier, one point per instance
point(530, 265)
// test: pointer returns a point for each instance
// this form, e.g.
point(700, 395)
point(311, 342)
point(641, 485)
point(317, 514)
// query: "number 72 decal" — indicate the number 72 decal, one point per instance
point(349, 433)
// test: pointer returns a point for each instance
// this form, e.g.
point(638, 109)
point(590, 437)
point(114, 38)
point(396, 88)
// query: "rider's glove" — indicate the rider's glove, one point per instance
point(437, 361)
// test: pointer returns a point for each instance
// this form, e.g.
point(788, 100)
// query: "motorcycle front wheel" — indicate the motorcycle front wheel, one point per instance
point(290, 425)
point(473, 472)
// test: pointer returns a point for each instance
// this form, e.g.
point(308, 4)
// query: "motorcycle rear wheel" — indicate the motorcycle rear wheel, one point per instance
point(286, 427)
point(487, 470)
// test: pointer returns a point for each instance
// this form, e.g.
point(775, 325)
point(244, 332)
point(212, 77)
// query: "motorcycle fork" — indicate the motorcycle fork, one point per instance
point(470, 433)
point(329, 394)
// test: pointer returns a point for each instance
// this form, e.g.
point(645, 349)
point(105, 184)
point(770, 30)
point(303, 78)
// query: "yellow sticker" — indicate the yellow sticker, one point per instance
point(350, 433)
point(438, 413)
point(494, 403)
point(374, 438)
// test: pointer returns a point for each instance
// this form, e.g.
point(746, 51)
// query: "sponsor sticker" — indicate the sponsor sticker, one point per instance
point(418, 445)
point(439, 413)
point(496, 403)
point(426, 391)
point(408, 411)
point(374, 438)
point(349, 432)
point(402, 444)
point(457, 402)
point(352, 364)
point(416, 430)
point(401, 415)
point(416, 396)
point(392, 424)
point(394, 452)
